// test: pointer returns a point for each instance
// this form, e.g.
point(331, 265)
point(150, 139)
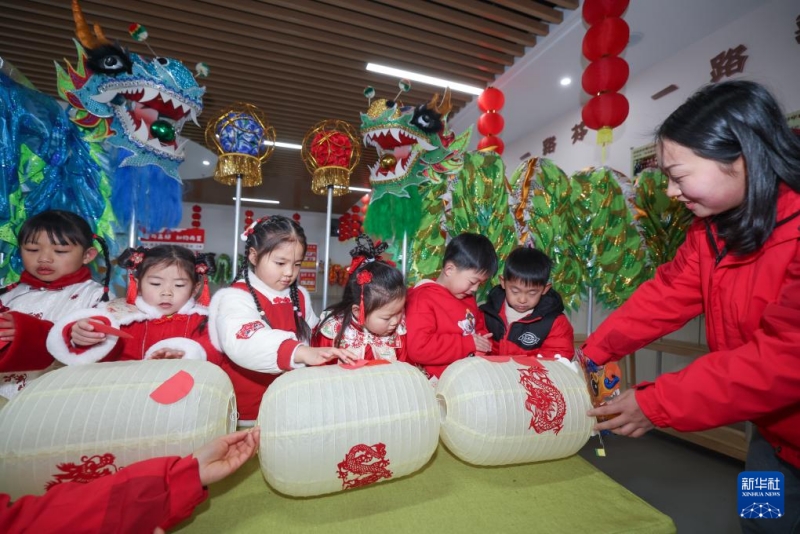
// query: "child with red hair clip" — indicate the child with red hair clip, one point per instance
point(159, 319)
point(370, 320)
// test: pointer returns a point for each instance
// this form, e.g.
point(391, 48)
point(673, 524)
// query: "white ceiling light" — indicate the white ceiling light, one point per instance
point(206, 162)
point(422, 78)
point(280, 144)
point(566, 81)
point(360, 189)
point(259, 200)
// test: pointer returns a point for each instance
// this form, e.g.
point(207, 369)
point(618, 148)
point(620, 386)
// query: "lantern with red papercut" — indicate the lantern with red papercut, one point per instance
point(606, 73)
point(491, 123)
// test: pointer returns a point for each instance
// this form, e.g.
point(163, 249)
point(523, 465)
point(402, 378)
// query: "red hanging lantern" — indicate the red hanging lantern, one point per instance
point(491, 123)
point(356, 208)
point(197, 208)
point(609, 37)
point(596, 10)
point(491, 99)
point(365, 199)
point(195, 224)
point(492, 141)
point(607, 74)
point(248, 213)
point(607, 110)
point(296, 217)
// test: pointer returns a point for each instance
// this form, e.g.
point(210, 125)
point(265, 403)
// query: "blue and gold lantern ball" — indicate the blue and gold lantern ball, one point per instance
point(243, 138)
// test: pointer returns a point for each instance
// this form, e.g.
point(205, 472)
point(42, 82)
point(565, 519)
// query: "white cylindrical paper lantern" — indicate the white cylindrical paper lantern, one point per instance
point(327, 429)
point(497, 413)
point(82, 422)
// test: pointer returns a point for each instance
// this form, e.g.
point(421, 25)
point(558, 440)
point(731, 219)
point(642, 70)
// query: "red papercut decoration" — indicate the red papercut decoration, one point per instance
point(607, 74)
point(174, 388)
point(491, 99)
point(90, 468)
point(364, 465)
point(492, 141)
point(544, 400)
point(491, 123)
point(331, 149)
point(608, 38)
point(596, 10)
point(605, 110)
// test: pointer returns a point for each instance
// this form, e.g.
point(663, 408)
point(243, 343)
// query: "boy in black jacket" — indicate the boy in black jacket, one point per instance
point(524, 314)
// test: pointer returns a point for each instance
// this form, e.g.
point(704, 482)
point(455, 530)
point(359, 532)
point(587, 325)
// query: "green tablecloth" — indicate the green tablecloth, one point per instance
point(563, 496)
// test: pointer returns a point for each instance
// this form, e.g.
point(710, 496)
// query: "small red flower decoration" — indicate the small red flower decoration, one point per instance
point(201, 268)
point(364, 277)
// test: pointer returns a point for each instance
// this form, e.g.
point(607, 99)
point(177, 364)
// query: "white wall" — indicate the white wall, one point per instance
point(773, 59)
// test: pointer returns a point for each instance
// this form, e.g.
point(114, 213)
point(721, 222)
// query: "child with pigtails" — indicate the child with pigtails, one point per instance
point(56, 248)
point(159, 318)
point(263, 322)
point(370, 320)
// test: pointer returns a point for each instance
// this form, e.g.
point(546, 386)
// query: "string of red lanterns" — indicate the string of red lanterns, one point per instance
point(491, 123)
point(197, 213)
point(606, 73)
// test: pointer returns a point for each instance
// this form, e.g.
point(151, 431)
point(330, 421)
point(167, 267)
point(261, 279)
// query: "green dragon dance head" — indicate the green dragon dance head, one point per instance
point(407, 139)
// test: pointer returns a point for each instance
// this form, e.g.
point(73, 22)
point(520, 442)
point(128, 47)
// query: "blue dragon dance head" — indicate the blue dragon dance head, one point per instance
point(136, 104)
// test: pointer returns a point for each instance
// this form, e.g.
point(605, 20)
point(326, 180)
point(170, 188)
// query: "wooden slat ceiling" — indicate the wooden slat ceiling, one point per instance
point(300, 61)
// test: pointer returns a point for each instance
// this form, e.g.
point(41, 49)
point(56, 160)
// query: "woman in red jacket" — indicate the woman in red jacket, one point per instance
point(733, 161)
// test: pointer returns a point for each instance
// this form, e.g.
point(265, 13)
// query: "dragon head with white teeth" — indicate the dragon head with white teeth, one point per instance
point(408, 140)
point(137, 104)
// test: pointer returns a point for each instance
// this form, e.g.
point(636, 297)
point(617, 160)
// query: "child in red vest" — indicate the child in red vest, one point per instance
point(56, 247)
point(524, 313)
point(158, 319)
point(369, 319)
point(263, 322)
point(442, 316)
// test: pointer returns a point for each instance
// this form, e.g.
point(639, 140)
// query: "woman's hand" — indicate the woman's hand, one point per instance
point(226, 454)
point(631, 421)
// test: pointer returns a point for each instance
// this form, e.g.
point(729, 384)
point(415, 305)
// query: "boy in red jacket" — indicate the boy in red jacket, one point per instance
point(524, 313)
point(443, 322)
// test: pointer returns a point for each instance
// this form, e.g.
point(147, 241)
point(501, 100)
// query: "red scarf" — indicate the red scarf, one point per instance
point(81, 275)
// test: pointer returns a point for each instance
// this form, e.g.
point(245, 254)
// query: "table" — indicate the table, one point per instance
point(562, 496)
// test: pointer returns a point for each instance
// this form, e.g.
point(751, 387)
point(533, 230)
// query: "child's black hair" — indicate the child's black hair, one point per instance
point(267, 234)
point(528, 266)
point(385, 286)
point(471, 251)
point(740, 119)
point(65, 228)
point(166, 255)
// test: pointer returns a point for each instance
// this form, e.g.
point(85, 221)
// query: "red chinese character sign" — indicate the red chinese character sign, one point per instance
point(191, 238)
point(606, 73)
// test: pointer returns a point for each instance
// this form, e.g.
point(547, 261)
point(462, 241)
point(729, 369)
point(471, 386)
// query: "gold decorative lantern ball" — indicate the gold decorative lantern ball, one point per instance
point(244, 140)
point(331, 151)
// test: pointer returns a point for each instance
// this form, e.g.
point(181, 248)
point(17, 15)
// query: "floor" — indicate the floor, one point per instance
point(697, 488)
